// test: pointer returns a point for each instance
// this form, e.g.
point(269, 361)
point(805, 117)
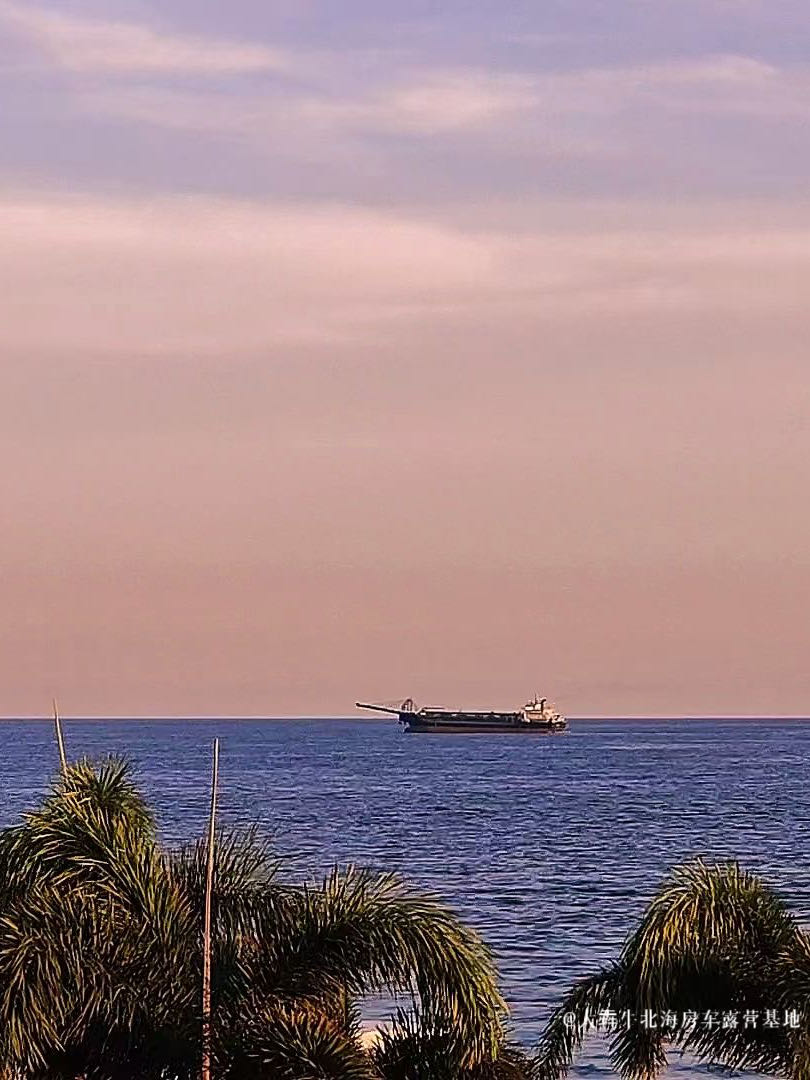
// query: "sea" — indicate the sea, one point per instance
point(549, 845)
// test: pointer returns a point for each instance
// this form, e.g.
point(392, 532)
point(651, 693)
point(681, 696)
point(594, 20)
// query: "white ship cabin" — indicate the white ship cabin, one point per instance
point(540, 709)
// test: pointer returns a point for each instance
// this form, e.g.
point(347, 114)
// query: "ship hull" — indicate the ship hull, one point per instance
point(510, 724)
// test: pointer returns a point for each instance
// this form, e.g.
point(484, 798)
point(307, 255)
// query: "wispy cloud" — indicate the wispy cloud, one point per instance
point(707, 84)
point(432, 103)
point(213, 274)
point(428, 104)
point(93, 46)
point(561, 109)
point(405, 125)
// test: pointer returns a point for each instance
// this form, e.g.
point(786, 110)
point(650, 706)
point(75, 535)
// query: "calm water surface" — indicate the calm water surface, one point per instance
point(549, 846)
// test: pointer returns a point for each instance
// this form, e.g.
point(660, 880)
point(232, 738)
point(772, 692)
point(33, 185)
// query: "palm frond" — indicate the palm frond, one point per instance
point(715, 941)
point(565, 1031)
point(100, 952)
point(365, 932)
point(94, 933)
point(419, 1047)
point(245, 859)
point(701, 915)
point(283, 1043)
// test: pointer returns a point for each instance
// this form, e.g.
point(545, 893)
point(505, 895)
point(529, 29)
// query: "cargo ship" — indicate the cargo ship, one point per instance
point(536, 717)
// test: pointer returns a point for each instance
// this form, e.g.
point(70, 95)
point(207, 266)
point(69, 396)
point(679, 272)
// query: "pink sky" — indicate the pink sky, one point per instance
point(439, 429)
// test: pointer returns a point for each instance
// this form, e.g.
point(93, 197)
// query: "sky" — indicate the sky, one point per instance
point(363, 350)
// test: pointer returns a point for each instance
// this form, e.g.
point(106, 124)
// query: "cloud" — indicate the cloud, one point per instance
point(405, 124)
point(219, 275)
point(717, 83)
point(432, 103)
point(212, 274)
point(591, 113)
point(94, 46)
point(531, 119)
point(343, 133)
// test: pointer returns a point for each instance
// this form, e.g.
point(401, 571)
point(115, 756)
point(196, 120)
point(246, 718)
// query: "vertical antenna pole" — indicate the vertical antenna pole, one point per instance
point(209, 885)
point(60, 741)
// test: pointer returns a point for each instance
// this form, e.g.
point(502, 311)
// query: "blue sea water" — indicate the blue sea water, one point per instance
point(550, 846)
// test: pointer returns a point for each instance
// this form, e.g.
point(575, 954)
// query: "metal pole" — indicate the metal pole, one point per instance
point(60, 741)
point(209, 886)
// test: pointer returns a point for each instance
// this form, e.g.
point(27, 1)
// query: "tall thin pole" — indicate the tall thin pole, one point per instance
point(60, 741)
point(209, 886)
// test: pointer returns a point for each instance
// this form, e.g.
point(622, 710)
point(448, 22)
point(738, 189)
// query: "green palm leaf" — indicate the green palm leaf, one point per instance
point(100, 952)
point(715, 940)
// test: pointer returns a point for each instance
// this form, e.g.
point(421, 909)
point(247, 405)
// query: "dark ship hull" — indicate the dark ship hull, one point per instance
point(534, 719)
point(512, 723)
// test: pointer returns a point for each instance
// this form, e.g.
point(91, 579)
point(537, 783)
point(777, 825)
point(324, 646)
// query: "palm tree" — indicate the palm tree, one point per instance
point(717, 967)
point(101, 957)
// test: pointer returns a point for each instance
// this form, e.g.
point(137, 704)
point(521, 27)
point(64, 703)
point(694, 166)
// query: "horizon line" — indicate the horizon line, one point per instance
point(370, 719)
